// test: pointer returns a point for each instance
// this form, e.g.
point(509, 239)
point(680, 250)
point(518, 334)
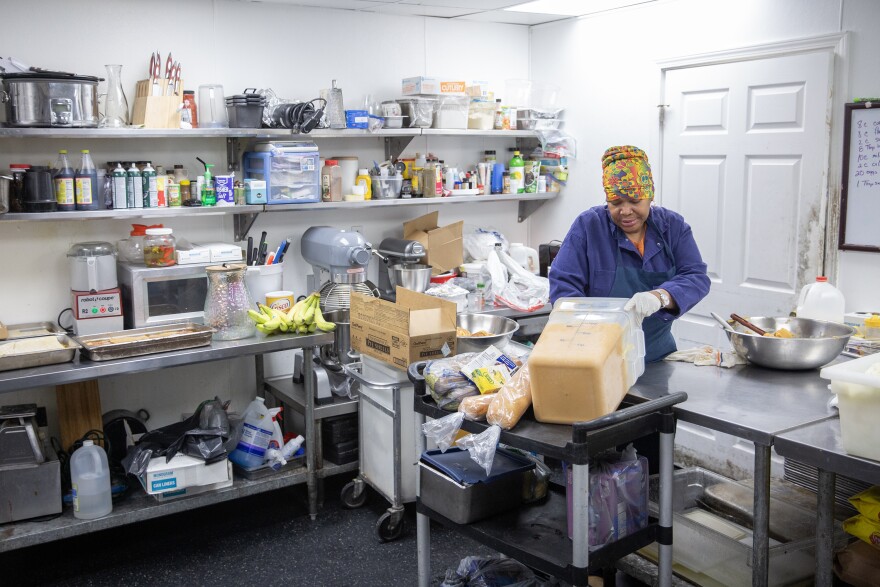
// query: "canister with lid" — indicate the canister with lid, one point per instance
point(228, 302)
point(159, 248)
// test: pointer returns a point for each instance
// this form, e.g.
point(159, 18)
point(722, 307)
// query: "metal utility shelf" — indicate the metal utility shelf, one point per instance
point(293, 395)
point(130, 213)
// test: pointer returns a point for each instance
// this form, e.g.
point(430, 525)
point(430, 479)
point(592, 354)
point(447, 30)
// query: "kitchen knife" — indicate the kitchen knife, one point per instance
point(155, 64)
point(250, 248)
point(168, 66)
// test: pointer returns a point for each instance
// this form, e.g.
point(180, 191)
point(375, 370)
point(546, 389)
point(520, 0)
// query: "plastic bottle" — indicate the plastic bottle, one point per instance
point(209, 197)
point(821, 301)
point(498, 121)
point(63, 176)
point(363, 179)
point(517, 174)
point(134, 187)
point(872, 327)
point(86, 184)
point(325, 179)
point(90, 480)
point(525, 256)
point(120, 197)
point(185, 194)
point(255, 436)
point(542, 184)
point(172, 192)
point(277, 436)
point(279, 457)
point(150, 186)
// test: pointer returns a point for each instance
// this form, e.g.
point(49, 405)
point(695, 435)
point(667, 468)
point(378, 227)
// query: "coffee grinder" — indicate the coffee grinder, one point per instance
point(97, 300)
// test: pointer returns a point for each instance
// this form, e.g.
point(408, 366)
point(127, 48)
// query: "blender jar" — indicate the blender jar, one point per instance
point(212, 107)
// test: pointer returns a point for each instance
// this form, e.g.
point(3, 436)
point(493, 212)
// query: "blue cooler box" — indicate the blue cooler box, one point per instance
point(291, 171)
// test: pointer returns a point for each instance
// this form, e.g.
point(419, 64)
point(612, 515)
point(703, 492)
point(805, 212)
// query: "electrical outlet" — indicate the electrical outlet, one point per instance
point(358, 229)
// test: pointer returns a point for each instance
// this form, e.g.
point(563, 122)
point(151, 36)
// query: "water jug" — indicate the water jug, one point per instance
point(525, 256)
point(256, 432)
point(821, 301)
point(90, 479)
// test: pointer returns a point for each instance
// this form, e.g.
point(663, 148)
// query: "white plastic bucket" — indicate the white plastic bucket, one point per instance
point(263, 279)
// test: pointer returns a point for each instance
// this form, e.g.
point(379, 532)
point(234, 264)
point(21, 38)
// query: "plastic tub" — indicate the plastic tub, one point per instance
point(481, 115)
point(394, 121)
point(386, 188)
point(418, 112)
point(451, 112)
point(537, 123)
point(858, 400)
point(589, 355)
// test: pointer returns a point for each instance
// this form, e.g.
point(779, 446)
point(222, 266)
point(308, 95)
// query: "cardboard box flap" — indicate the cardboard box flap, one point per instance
point(421, 224)
point(443, 244)
point(417, 301)
point(372, 310)
point(426, 322)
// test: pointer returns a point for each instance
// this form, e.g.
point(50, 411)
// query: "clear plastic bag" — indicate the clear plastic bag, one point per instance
point(558, 143)
point(479, 242)
point(497, 271)
point(482, 447)
point(443, 430)
point(446, 383)
point(511, 401)
point(475, 407)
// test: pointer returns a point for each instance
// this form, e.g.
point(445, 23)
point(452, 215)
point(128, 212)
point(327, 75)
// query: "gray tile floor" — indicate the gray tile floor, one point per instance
point(262, 540)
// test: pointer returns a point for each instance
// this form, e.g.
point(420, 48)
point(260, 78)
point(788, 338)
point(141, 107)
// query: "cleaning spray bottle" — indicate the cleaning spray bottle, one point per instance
point(257, 431)
point(209, 196)
point(279, 457)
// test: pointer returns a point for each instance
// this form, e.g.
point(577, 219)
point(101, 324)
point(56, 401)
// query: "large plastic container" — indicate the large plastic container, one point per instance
point(291, 171)
point(857, 385)
point(90, 480)
point(588, 356)
point(451, 112)
point(821, 301)
point(256, 432)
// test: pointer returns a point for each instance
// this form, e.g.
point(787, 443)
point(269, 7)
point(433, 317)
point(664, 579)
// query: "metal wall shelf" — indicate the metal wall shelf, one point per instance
point(244, 133)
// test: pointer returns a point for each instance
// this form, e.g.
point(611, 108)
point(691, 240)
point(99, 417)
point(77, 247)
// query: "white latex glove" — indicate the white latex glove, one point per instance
point(642, 305)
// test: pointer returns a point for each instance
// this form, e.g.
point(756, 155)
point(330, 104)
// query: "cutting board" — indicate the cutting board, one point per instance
point(79, 410)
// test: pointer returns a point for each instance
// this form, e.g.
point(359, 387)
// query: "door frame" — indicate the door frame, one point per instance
point(836, 43)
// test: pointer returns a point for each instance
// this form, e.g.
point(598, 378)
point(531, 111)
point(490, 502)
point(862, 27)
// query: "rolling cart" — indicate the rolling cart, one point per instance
point(536, 535)
point(387, 458)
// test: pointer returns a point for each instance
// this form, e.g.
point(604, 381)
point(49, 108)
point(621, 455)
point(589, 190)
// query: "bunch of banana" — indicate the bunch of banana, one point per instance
point(304, 317)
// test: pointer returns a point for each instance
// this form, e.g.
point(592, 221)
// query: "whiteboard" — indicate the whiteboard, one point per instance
point(860, 193)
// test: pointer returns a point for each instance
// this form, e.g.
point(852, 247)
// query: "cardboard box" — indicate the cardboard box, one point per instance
point(195, 489)
point(413, 86)
point(182, 471)
point(416, 328)
point(444, 244)
point(197, 254)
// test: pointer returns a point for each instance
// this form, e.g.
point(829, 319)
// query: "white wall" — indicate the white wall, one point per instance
point(295, 51)
point(607, 65)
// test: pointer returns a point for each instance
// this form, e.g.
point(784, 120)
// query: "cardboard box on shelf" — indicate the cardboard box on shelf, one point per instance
point(442, 243)
point(182, 471)
point(415, 328)
point(413, 86)
point(195, 489)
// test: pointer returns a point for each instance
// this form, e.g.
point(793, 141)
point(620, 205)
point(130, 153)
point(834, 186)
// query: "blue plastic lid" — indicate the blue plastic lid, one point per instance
point(457, 464)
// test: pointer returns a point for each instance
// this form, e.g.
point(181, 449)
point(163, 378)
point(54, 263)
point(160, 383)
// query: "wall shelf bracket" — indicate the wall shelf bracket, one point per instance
point(243, 223)
point(394, 146)
point(527, 208)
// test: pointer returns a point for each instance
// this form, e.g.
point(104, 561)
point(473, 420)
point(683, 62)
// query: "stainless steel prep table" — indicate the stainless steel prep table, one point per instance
point(143, 507)
point(819, 445)
point(749, 402)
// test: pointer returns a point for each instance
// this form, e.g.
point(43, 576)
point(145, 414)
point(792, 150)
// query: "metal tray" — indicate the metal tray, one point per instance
point(144, 341)
point(39, 358)
point(32, 329)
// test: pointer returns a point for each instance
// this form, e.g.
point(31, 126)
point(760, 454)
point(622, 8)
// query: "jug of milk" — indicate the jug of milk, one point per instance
point(525, 256)
point(257, 430)
point(90, 480)
point(821, 301)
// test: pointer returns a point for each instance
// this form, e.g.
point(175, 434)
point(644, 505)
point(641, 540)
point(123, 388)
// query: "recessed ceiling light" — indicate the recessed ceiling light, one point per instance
point(570, 7)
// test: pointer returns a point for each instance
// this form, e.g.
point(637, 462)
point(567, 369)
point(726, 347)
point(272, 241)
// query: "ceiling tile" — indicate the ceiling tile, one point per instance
point(472, 5)
point(422, 10)
point(506, 17)
point(344, 4)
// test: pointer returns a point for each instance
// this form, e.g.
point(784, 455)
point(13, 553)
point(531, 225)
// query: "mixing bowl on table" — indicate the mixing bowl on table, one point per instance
point(814, 342)
point(501, 330)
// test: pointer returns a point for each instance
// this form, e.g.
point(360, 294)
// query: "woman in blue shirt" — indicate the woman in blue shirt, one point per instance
point(629, 248)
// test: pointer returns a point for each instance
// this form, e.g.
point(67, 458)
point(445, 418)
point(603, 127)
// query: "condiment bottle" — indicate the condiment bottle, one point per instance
point(63, 177)
point(134, 187)
point(119, 187)
point(185, 195)
point(209, 196)
point(86, 184)
point(150, 186)
point(517, 174)
point(159, 248)
point(172, 192)
point(363, 179)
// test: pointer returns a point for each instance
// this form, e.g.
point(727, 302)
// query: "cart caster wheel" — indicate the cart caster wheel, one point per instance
point(351, 497)
point(390, 527)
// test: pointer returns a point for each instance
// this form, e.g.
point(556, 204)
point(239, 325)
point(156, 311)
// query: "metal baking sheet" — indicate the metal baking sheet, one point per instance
point(144, 341)
point(23, 360)
point(32, 329)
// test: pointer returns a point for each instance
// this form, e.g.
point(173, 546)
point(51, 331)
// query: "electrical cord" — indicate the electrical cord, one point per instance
point(300, 117)
point(68, 329)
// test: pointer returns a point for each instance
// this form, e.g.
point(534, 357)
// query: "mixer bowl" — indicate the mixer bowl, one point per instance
point(416, 277)
point(502, 330)
point(817, 343)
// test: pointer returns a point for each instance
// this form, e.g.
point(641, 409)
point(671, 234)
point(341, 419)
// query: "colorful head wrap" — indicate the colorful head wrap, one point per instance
point(626, 173)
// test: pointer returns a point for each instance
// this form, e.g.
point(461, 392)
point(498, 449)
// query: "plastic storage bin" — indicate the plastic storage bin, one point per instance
point(588, 356)
point(418, 112)
point(451, 112)
point(386, 188)
point(291, 171)
point(858, 400)
point(481, 115)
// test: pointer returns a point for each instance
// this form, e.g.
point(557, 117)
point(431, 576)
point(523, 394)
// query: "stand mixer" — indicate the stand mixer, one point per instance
point(403, 266)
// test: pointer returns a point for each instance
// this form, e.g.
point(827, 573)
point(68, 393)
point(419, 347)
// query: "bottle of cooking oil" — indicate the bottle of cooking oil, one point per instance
point(63, 178)
point(134, 187)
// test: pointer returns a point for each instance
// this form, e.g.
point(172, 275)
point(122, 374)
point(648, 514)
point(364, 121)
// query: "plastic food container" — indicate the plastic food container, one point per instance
point(394, 121)
point(858, 400)
point(481, 115)
point(418, 112)
point(451, 112)
point(386, 188)
point(537, 123)
point(588, 356)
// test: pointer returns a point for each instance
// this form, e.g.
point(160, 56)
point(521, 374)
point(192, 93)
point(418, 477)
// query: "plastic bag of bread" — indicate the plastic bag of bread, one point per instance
point(446, 383)
point(475, 407)
point(512, 400)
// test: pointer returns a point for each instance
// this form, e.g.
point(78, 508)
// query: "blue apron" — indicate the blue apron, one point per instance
point(629, 281)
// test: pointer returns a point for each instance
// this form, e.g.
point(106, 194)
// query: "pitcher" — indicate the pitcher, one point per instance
point(227, 302)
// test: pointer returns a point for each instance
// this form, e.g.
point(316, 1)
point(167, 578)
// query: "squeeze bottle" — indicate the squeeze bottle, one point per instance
point(86, 184)
point(821, 301)
point(517, 174)
point(363, 179)
point(90, 480)
point(209, 197)
point(256, 433)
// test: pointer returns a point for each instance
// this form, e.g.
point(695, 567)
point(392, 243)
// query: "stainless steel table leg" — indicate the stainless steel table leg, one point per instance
point(580, 524)
point(311, 440)
point(825, 529)
point(761, 538)
point(664, 568)
point(423, 522)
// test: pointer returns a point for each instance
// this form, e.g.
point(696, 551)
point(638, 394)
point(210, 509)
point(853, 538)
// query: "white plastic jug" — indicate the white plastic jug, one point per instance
point(821, 301)
point(525, 256)
point(90, 478)
point(257, 430)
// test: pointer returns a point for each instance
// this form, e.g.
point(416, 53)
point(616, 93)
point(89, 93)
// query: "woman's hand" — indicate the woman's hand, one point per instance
point(643, 304)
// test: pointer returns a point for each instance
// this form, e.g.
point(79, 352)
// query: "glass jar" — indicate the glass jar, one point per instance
point(228, 302)
point(159, 248)
point(189, 104)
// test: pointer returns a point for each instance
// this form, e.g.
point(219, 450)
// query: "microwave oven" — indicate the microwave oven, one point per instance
point(153, 296)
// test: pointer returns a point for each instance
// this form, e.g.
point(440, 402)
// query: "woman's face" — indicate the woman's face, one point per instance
point(630, 215)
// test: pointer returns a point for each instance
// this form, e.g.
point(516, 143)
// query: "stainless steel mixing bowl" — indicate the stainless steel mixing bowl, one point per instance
point(816, 342)
point(502, 330)
point(415, 276)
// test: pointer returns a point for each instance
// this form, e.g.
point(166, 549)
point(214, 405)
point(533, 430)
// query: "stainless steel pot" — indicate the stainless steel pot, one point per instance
point(50, 99)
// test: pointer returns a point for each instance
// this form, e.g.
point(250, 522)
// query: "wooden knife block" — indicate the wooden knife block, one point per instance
point(156, 111)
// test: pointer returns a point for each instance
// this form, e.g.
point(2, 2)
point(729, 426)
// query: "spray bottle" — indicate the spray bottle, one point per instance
point(279, 457)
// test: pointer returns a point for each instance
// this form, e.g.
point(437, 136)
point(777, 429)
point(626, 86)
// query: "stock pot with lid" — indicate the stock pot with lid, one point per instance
point(50, 99)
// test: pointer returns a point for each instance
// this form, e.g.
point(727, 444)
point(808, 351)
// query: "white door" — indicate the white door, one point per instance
point(745, 159)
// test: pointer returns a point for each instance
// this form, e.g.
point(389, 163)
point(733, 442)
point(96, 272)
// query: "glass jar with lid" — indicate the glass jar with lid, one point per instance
point(159, 247)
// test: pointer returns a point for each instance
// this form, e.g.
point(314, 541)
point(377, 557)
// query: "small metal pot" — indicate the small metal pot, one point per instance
point(50, 99)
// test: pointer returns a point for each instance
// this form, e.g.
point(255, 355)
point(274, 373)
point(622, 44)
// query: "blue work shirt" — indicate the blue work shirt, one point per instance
point(586, 263)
